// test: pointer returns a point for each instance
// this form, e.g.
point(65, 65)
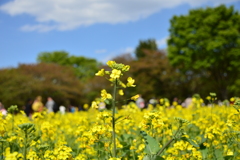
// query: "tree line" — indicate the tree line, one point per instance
point(202, 56)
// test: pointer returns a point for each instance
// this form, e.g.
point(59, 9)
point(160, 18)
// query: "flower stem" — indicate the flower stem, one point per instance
point(12, 122)
point(2, 150)
point(113, 118)
point(170, 141)
point(25, 146)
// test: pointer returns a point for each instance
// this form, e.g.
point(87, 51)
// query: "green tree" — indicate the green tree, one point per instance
point(155, 77)
point(59, 57)
point(206, 44)
point(85, 68)
point(145, 46)
point(28, 81)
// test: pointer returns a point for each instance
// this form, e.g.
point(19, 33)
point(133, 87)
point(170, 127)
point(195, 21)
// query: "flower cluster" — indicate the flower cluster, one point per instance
point(85, 135)
point(114, 76)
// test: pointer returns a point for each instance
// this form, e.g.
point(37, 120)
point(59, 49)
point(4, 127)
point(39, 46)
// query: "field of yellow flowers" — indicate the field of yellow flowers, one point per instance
point(156, 133)
point(209, 133)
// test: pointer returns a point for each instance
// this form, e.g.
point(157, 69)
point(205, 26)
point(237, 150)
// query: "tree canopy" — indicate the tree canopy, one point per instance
point(206, 43)
point(145, 46)
point(85, 68)
point(28, 81)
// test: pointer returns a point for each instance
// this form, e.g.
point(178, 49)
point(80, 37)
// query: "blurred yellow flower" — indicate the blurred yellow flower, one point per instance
point(126, 68)
point(229, 153)
point(111, 63)
point(120, 92)
point(130, 82)
point(94, 104)
point(100, 73)
point(135, 97)
point(85, 106)
point(115, 74)
point(208, 98)
point(105, 95)
point(232, 99)
point(114, 158)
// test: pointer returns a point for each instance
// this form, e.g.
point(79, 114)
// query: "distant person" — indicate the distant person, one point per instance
point(80, 108)
point(187, 102)
point(153, 102)
point(102, 106)
point(62, 109)
point(2, 109)
point(37, 105)
point(140, 102)
point(72, 109)
point(28, 107)
point(50, 105)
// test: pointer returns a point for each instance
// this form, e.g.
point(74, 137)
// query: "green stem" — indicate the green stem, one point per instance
point(12, 122)
point(2, 150)
point(170, 141)
point(165, 146)
point(113, 118)
point(25, 146)
point(133, 152)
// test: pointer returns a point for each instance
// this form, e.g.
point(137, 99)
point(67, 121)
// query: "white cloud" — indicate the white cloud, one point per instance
point(128, 50)
point(114, 54)
point(162, 43)
point(101, 51)
point(70, 14)
point(39, 27)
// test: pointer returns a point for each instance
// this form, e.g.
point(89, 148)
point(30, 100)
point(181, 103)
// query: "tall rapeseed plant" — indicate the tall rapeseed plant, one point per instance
point(114, 77)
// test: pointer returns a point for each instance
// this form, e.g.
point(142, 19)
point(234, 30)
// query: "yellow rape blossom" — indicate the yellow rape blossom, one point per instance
point(229, 153)
point(100, 73)
point(85, 106)
point(94, 104)
point(115, 74)
point(126, 68)
point(208, 98)
point(111, 63)
point(232, 99)
point(130, 82)
point(135, 97)
point(114, 158)
point(120, 92)
point(105, 95)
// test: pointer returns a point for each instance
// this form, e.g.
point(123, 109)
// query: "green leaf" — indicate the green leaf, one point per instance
point(190, 141)
point(204, 153)
point(126, 137)
point(219, 154)
point(107, 101)
point(152, 146)
point(228, 157)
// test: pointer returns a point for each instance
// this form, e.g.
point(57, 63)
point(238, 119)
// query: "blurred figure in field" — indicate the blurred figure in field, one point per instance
point(62, 109)
point(187, 102)
point(153, 102)
point(102, 106)
point(140, 102)
point(72, 109)
point(50, 104)
point(28, 107)
point(2, 109)
point(37, 105)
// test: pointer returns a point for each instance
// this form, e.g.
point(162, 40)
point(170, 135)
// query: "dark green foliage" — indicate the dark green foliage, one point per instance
point(149, 45)
point(84, 68)
point(206, 44)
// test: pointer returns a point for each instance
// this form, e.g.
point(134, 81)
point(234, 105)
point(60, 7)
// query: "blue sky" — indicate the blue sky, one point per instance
point(100, 29)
